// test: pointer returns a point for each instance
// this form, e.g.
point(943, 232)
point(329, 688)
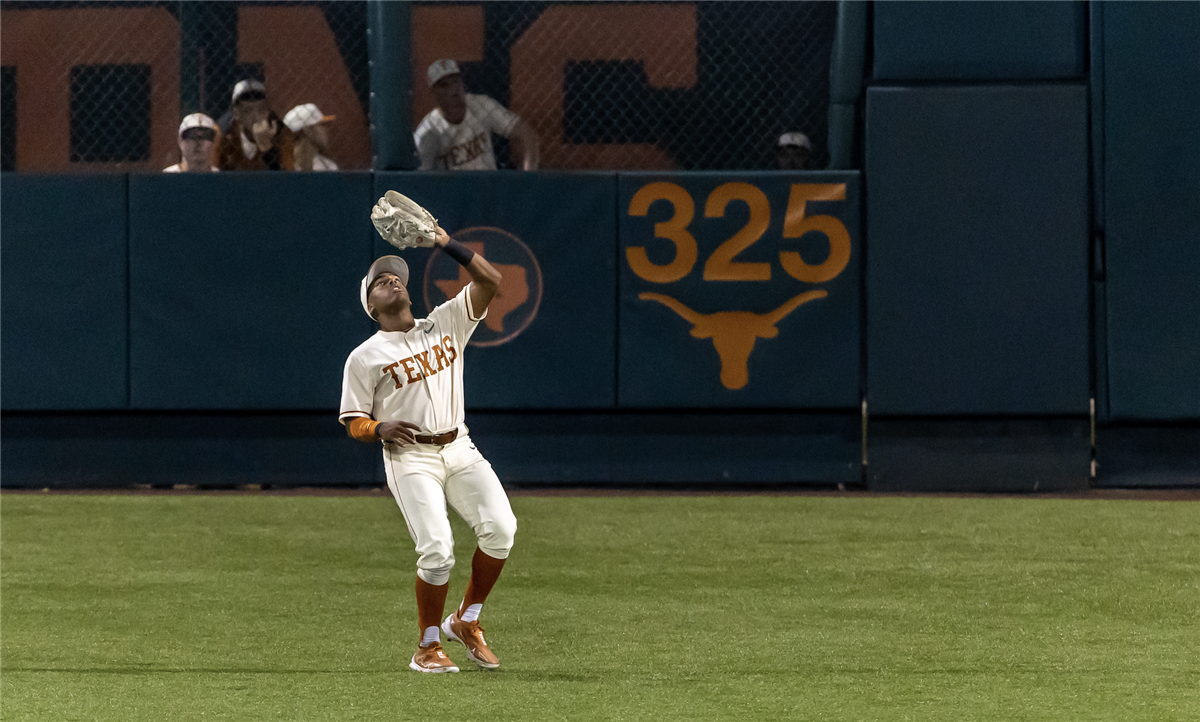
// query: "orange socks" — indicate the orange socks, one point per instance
point(431, 602)
point(485, 571)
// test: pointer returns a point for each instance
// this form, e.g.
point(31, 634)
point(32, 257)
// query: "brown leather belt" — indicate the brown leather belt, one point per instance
point(438, 439)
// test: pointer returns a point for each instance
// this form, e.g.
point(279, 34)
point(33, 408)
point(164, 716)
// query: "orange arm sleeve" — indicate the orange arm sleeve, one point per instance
point(362, 429)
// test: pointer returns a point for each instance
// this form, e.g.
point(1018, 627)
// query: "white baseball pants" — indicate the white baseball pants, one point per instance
point(425, 478)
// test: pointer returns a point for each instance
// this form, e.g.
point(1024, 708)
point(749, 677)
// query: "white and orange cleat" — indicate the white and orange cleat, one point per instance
point(432, 660)
point(469, 635)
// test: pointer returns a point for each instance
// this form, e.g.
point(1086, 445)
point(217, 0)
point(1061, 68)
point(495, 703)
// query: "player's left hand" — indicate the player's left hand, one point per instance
point(440, 237)
point(402, 222)
point(401, 432)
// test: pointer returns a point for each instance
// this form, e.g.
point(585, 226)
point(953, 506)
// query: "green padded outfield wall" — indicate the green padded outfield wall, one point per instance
point(971, 41)
point(64, 287)
point(549, 339)
point(244, 288)
point(977, 266)
point(1152, 209)
point(740, 290)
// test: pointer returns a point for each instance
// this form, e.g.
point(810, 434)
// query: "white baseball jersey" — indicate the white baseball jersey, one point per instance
point(468, 145)
point(414, 375)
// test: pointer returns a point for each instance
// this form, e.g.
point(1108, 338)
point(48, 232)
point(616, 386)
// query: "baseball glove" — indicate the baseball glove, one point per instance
point(402, 222)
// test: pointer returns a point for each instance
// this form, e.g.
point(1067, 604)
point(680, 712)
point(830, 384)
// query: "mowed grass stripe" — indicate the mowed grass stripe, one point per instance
point(611, 608)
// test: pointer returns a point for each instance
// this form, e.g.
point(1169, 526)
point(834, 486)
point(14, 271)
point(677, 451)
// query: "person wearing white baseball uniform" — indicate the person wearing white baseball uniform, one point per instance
point(457, 135)
point(404, 387)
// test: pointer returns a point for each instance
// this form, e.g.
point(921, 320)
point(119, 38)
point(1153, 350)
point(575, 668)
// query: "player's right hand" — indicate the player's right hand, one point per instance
point(401, 432)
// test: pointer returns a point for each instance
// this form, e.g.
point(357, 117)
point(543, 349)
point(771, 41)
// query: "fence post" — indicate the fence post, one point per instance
point(845, 81)
point(207, 56)
point(389, 43)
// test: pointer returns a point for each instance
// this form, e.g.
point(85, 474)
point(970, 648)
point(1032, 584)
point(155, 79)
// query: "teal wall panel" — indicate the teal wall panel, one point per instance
point(1152, 209)
point(988, 40)
point(715, 318)
point(63, 286)
point(549, 341)
point(977, 270)
point(244, 288)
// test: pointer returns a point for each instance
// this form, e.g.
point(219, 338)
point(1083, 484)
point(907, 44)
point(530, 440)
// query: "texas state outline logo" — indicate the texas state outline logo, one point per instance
point(519, 297)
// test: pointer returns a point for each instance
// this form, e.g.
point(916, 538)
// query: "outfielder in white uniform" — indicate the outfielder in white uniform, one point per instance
point(457, 135)
point(404, 387)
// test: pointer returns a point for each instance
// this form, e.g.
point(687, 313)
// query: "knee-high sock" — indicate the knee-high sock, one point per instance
point(485, 570)
point(431, 602)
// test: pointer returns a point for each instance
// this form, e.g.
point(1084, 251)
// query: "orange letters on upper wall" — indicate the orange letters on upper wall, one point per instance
point(663, 37)
point(302, 64)
point(43, 45)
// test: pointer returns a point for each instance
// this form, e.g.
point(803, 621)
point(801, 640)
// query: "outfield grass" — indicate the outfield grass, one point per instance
point(215, 607)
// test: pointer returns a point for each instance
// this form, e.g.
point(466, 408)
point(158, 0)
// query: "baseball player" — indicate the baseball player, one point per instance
point(404, 387)
point(457, 135)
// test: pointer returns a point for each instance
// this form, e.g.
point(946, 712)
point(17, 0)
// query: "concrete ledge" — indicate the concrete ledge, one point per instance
point(1147, 455)
point(310, 448)
point(978, 455)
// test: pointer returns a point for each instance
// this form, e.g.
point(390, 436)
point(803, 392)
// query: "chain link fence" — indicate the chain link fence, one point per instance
point(624, 86)
point(678, 85)
point(104, 85)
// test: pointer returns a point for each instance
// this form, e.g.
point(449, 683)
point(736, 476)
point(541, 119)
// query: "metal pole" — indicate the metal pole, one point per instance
point(389, 43)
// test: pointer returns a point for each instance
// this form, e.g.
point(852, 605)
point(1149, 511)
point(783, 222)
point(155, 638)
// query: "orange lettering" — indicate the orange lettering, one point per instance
point(660, 36)
point(409, 370)
point(391, 369)
point(45, 43)
point(295, 45)
point(449, 349)
point(440, 356)
point(423, 357)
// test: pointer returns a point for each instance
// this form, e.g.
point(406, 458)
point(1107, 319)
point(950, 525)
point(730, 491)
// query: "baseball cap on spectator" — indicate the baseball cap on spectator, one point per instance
point(798, 140)
point(384, 264)
point(302, 116)
point(198, 120)
point(440, 69)
point(245, 87)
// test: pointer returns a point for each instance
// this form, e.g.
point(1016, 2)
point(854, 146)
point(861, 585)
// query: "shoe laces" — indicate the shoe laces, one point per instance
point(475, 631)
point(434, 650)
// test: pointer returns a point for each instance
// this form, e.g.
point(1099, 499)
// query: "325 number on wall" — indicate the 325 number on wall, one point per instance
point(720, 265)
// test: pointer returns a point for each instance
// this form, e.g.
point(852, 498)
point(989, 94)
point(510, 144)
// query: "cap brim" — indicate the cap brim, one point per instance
point(384, 264)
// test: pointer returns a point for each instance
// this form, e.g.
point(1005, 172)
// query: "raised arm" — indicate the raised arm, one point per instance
point(485, 279)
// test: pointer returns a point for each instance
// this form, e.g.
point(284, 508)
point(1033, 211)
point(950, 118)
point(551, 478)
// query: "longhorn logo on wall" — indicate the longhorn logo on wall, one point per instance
point(735, 332)
point(516, 303)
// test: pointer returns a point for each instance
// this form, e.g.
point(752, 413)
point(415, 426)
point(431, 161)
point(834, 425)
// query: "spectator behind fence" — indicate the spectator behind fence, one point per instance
point(257, 139)
point(457, 135)
point(197, 137)
point(311, 128)
point(794, 152)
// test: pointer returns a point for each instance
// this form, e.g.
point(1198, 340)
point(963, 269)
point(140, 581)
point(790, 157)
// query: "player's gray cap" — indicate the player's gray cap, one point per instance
point(384, 264)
